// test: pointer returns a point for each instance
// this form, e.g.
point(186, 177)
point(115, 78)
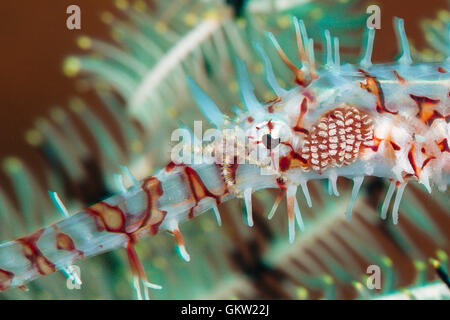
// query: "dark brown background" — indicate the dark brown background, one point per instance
point(34, 41)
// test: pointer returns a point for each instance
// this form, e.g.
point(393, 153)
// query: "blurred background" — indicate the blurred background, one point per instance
point(67, 123)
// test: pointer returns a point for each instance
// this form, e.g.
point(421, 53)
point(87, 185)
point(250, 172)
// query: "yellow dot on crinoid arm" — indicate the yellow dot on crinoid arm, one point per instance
point(419, 265)
point(84, 42)
point(241, 22)
point(77, 105)
point(407, 293)
point(327, 279)
point(444, 15)
point(107, 17)
point(33, 137)
point(302, 293)
point(435, 263)
point(211, 14)
point(386, 261)
point(140, 6)
point(190, 19)
point(71, 66)
point(437, 24)
point(442, 255)
point(284, 21)
point(316, 13)
point(357, 285)
point(121, 4)
point(12, 164)
point(116, 35)
point(161, 27)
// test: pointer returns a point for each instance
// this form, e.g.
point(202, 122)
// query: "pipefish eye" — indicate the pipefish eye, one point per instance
point(270, 142)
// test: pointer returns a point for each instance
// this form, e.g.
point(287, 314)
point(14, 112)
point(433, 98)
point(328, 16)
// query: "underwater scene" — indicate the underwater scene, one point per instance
point(224, 150)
